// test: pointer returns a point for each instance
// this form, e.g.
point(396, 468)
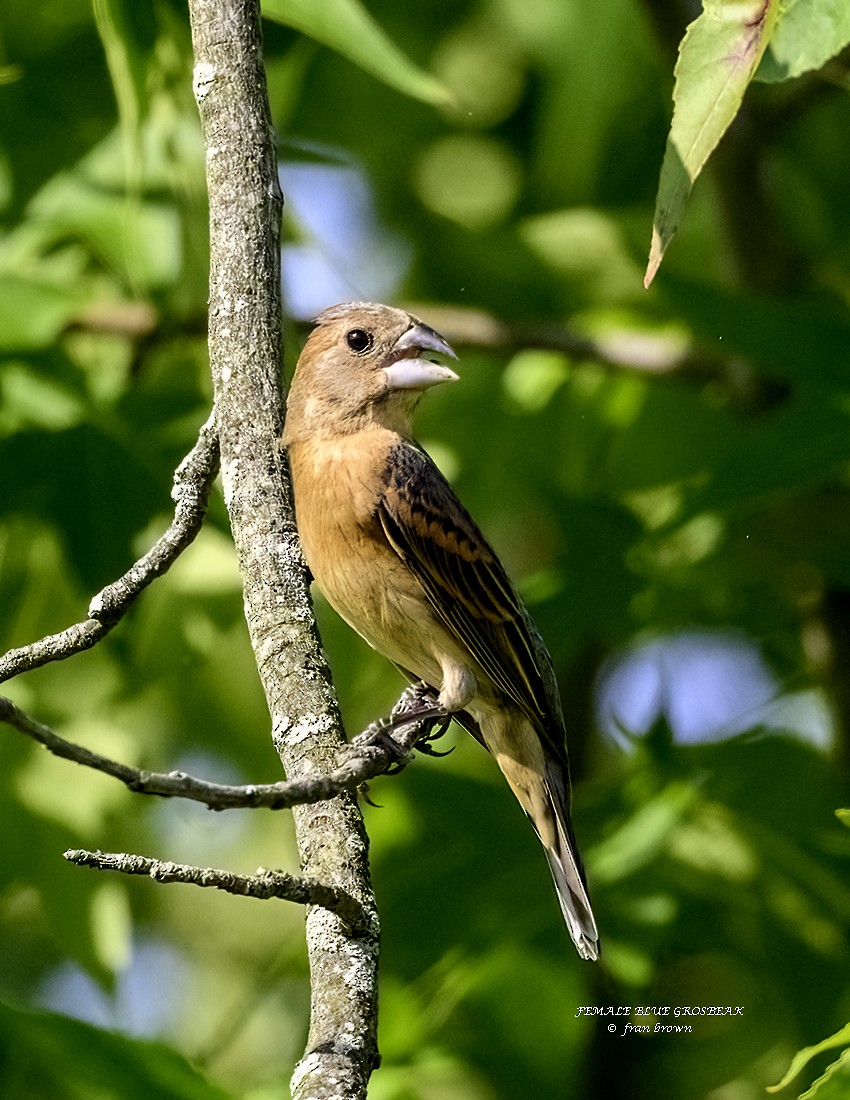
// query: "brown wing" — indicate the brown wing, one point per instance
point(467, 586)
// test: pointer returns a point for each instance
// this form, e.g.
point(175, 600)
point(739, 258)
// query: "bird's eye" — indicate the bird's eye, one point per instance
point(359, 340)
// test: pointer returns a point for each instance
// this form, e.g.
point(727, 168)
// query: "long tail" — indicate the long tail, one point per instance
point(565, 865)
point(540, 782)
point(575, 904)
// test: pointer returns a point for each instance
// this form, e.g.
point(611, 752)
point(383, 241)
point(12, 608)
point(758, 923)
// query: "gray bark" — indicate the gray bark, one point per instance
point(245, 341)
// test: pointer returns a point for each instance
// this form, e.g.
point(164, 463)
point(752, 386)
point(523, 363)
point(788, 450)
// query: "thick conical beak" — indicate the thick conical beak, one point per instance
point(409, 371)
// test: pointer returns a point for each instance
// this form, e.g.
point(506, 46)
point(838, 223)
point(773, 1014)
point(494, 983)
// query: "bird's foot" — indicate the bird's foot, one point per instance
point(425, 744)
point(418, 706)
point(380, 734)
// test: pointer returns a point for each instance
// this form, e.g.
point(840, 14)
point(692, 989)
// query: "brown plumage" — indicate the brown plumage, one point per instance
point(402, 561)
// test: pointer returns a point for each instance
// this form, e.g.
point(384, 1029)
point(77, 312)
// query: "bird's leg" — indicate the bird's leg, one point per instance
point(418, 706)
point(457, 690)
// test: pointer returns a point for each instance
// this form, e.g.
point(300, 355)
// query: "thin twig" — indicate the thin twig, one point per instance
point(365, 759)
point(262, 884)
point(192, 484)
point(656, 353)
point(628, 348)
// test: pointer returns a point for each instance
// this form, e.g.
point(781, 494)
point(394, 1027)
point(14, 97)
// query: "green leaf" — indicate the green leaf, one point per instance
point(78, 479)
point(835, 1082)
point(632, 846)
point(346, 26)
point(127, 70)
point(717, 58)
point(139, 240)
point(32, 313)
point(38, 1049)
point(843, 816)
point(807, 34)
point(10, 73)
point(839, 1039)
point(804, 443)
point(803, 340)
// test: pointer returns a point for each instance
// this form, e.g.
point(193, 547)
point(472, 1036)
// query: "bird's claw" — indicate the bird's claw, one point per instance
point(380, 735)
point(363, 790)
point(417, 706)
point(426, 748)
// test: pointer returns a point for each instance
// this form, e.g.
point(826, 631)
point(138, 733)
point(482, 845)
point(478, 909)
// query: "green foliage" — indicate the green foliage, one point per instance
point(832, 1085)
point(347, 27)
point(717, 59)
point(46, 1056)
point(692, 474)
point(722, 51)
point(807, 34)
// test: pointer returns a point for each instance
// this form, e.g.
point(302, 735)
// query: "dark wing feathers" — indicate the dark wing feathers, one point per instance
point(467, 586)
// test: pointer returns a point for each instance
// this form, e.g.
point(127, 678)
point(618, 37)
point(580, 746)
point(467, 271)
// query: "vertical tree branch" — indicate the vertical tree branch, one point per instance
point(244, 340)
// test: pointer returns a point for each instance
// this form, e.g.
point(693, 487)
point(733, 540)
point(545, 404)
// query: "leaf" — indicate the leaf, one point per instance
point(138, 239)
point(127, 70)
point(718, 56)
point(10, 73)
point(631, 847)
point(64, 902)
point(834, 1083)
point(839, 1039)
point(804, 443)
point(58, 1056)
point(95, 488)
point(346, 26)
point(802, 340)
point(807, 34)
point(32, 313)
point(843, 816)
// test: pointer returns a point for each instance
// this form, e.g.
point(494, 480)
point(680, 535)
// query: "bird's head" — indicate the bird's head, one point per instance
point(364, 364)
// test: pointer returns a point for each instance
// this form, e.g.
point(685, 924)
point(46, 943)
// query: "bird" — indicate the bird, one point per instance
point(401, 560)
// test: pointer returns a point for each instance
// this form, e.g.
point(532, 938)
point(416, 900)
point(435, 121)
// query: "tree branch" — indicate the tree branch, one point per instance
point(263, 884)
point(192, 484)
point(365, 759)
point(629, 349)
point(654, 353)
point(244, 342)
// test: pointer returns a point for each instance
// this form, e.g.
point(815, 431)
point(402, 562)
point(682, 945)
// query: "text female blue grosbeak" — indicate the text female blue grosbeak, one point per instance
point(402, 561)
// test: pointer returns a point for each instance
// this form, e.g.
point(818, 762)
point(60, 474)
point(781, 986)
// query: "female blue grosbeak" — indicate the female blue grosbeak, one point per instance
point(402, 561)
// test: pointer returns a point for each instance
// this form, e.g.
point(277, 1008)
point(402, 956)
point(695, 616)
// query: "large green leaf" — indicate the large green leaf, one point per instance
point(717, 58)
point(834, 1083)
point(804, 444)
point(96, 489)
point(136, 239)
point(50, 1056)
point(348, 28)
point(840, 1039)
point(806, 342)
point(807, 34)
point(127, 68)
point(33, 313)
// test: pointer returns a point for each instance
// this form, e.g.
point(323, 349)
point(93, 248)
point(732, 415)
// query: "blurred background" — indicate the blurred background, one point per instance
point(665, 473)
